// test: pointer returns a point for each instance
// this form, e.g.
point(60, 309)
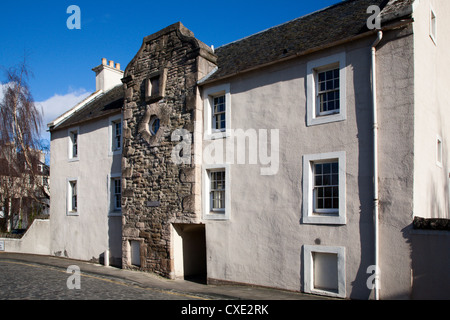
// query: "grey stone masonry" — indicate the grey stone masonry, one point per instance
point(160, 86)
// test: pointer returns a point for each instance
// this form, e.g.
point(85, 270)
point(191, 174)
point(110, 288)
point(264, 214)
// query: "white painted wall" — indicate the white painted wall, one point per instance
point(262, 241)
point(431, 68)
point(87, 235)
point(35, 241)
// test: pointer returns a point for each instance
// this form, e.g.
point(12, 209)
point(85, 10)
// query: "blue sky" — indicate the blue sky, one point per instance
point(61, 60)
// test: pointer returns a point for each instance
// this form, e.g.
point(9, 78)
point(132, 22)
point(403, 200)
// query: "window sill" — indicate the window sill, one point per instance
point(115, 152)
point(115, 213)
point(215, 215)
point(73, 159)
point(217, 135)
point(73, 213)
point(324, 218)
point(322, 119)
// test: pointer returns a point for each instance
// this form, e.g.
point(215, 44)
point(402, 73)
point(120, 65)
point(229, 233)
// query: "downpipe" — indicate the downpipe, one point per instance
point(375, 166)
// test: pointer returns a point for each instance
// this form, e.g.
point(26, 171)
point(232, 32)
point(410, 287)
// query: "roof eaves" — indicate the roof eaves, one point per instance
point(85, 103)
point(53, 124)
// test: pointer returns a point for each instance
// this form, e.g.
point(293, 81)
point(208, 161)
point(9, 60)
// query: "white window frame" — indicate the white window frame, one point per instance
point(208, 213)
point(69, 210)
point(208, 99)
point(439, 151)
point(309, 216)
point(313, 69)
point(308, 270)
point(113, 211)
point(112, 134)
point(433, 25)
point(70, 133)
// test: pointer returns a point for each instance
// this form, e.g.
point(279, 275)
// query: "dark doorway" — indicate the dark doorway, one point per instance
point(189, 252)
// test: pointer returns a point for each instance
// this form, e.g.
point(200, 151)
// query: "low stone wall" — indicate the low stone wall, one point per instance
point(35, 241)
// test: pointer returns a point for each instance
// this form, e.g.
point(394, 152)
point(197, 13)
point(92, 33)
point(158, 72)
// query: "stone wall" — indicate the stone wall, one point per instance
point(160, 82)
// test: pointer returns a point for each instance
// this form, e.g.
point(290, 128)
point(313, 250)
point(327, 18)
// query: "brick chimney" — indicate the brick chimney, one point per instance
point(107, 75)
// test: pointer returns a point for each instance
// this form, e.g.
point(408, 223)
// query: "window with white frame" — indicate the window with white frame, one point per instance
point(73, 144)
point(324, 188)
point(324, 270)
point(216, 192)
point(433, 25)
point(115, 135)
point(72, 197)
point(115, 194)
point(326, 90)
point(217, 113)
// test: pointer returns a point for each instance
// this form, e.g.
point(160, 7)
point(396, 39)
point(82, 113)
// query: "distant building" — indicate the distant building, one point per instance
point(262, 163)
point(24, 191)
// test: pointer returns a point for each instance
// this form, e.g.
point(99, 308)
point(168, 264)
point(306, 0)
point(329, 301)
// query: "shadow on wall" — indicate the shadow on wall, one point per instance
point(429, 240)
point(363, 112)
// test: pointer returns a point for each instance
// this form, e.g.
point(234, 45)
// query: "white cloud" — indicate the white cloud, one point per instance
point(56, 105)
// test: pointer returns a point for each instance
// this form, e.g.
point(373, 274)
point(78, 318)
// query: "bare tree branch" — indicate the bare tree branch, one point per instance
point(21, 174)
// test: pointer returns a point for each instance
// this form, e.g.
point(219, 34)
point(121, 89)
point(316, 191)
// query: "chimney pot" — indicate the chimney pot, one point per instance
point(107, 75)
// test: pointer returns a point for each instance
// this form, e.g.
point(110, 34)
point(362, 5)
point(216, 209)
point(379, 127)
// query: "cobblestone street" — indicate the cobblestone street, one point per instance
point(25, 281)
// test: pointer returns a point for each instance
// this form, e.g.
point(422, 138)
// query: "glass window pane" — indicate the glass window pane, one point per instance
point(319, 204)
point(330, 85)
point(336, 73)
point(335, 192)
point(331, 105)
point(318, 181)
point(322, 76)
point(335, 167)
point(336, 83)
point(320, 192)
point(328, 203)
point(318, 168)
point(335, 179)
point(335, 203)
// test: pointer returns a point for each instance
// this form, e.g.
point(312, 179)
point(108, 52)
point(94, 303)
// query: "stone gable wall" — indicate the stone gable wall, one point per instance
point(155, 191)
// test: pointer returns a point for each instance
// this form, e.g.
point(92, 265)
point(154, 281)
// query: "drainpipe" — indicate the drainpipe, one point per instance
point(375, 164)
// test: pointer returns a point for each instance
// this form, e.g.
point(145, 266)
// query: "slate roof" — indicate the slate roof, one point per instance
point(109, 103)
point(341, 21)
